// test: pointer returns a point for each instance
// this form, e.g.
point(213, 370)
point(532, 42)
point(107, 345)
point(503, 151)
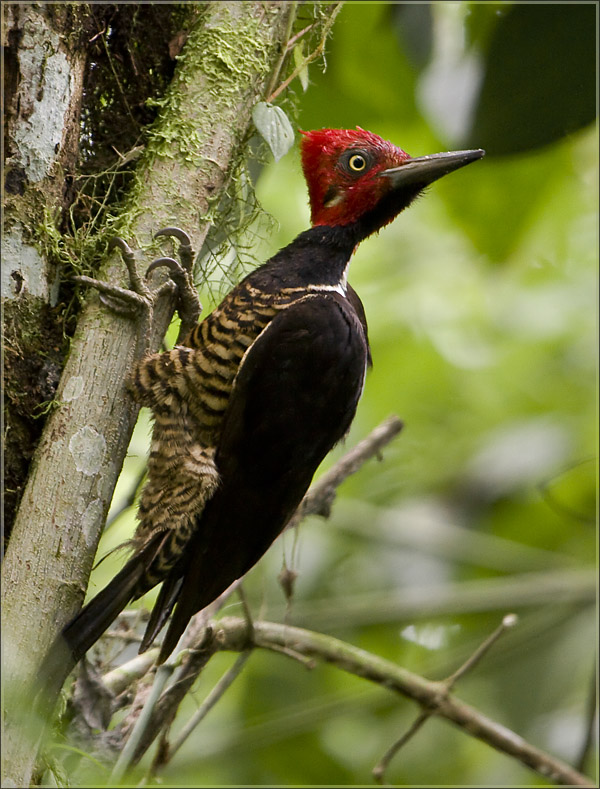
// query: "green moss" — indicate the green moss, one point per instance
point(225, 52)
point(220, 60)
point(216, 61)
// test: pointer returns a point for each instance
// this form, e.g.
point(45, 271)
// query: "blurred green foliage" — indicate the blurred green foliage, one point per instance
point(482, 308)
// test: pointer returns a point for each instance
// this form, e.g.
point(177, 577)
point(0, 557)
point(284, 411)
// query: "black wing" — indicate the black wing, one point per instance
point(294, 397)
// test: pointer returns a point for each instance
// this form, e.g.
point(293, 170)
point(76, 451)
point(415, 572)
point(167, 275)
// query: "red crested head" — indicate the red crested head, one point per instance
point(357, 179)
point(342, 168)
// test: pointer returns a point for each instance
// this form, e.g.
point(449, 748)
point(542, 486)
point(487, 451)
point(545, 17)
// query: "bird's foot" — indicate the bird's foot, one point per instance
point(180, 272)
point(123, 301)
point(139, 299)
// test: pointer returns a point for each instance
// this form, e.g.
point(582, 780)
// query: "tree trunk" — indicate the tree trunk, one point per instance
point(223, 70)
point(43, 89)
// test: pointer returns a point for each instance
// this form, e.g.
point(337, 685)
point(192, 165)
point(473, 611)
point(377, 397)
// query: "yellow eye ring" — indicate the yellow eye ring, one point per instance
point(357, 162)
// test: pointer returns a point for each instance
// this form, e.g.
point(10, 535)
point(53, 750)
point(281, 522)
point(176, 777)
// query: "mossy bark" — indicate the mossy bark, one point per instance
point(223, 70)
point(43, 96)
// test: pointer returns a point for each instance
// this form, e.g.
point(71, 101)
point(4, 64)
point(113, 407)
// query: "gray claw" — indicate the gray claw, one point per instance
point(181, 273)
point(174, 267)
point(128, 255)
point(177, 233)
point(122, 245)
point(186, 252)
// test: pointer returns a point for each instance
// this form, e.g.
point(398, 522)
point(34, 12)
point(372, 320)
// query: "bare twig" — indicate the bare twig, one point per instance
point(297, 36)
point(317, 52)
point(309, 663)
point(284, 50)
point(210, 701)
point(382, 765)
point(507, 622)
point(124, 675)
point(162, 703)
point(322, 493)
point(510, 620)
point(126, 756)
point(166, 707)
point(109, 57)
point(165, 751)
point(197, 647)
point(432, 696)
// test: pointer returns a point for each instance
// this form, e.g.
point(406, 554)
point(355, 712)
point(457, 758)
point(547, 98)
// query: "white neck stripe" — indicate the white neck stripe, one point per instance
point(339, 288)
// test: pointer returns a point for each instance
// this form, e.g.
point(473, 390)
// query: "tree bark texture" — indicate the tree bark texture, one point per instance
point(43, 86)
point(223, 70)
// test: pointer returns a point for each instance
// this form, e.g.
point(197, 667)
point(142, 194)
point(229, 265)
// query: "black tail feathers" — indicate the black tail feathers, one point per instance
point(90, 623)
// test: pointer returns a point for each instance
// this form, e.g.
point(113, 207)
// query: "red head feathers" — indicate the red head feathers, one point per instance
point(355, 177)
point(342, 168)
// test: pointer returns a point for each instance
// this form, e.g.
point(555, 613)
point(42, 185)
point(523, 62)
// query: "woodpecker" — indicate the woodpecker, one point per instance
point(248, 405)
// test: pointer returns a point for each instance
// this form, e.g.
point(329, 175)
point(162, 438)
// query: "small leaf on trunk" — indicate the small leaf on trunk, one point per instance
point(274, 126)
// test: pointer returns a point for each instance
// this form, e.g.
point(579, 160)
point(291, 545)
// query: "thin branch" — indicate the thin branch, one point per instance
point(126, 756)
point(322, 493)
point(209, 702)
point(120, 678)
point(316, 53)
point(510, 620)
point(165, 709)
point(284, 49)
point(308, 663)
point(160, 710)
point(165, 752)
point(118, 82)
point(383, 764)
point(297, 36)
point(231, 634)
point(162, 703)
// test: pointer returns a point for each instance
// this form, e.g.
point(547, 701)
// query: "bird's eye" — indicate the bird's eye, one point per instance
point(357, 162)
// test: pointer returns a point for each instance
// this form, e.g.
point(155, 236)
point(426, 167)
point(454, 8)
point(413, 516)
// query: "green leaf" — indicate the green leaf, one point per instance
point(413, 25)
point(481, 20)
point(540, 77)
point(274, 126)
point(299, 61)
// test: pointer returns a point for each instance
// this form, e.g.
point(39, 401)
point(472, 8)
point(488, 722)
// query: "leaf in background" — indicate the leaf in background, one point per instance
point(298, 61)
point(572, 492)
point(413, 24)
point(274, 126)
point(481, 20)
point(540, 81)
point(369, 81)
